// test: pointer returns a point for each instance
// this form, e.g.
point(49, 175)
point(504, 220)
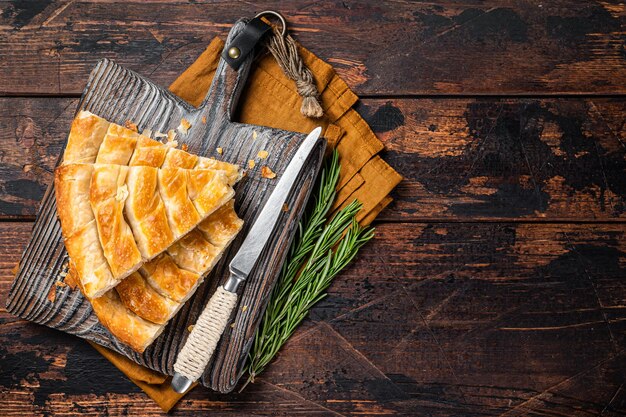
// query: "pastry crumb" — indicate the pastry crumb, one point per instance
point(220, 151)
point(27, 167)
point(244, 308)
point(130, 125)
point(263, 154)
point(254, 134)
point(232, 325)
point(251, 164)
point(52, 294)
point(190, 328)
point(204, 119)
point(285, 207)
point(71, 279)
point(60, 284)
point(184, 126)
point(184, 147)
point(171, 136)
point(266, 172)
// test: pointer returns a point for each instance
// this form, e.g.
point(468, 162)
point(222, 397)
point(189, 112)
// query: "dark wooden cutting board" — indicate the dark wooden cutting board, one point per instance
point(118, 95)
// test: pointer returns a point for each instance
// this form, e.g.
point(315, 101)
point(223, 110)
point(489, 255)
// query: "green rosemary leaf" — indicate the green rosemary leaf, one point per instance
point(321, 249)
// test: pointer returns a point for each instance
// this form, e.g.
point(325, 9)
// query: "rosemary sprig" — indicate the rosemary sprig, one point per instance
point(319, 252)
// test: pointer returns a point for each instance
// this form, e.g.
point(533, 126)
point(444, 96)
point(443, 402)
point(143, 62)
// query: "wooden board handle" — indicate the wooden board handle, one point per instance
point(221, 100)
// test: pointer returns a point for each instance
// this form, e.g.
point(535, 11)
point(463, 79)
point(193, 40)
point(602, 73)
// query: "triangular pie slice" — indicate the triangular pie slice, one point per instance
point(86, 136)
point(145, 211)
point(168, 279)
point(140, 298)
point(79, 228)
point(123, 323)
point(118, 144)
point(107, 194)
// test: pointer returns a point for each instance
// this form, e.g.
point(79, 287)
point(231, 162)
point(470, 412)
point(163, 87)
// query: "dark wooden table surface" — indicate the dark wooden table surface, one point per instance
point(496, 284)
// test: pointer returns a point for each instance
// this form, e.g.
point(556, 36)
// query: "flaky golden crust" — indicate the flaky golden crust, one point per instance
point(71, 184)
point(194, 253)
point(146, 213)
point(91, 265)
point(208, 190)
point(86, 135)
point(118, 146)
point(168, 279)
point(107, 195)
point(79, 228)
point(221, 227)
point(140, 298)
point(177, 158)
point(233, 172)
point(123, 323)
point(148, 152)
point(181, 212)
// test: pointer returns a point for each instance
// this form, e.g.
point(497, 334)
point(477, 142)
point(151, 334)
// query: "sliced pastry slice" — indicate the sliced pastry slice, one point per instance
point(149, 152)
point(86, 136)
point(145, 211)
point(79, 228)
point(125, 325)
point(118, 145)
point(194, 253)
point(140, 298)
point(191, 195)
point(221, 228)
point(168, 279)
point(107, 195)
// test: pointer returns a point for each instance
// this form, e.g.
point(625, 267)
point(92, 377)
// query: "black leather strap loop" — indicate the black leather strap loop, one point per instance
point(245, 42)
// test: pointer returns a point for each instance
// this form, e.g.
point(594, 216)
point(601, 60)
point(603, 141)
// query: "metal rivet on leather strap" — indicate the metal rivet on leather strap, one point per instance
point(234, 52)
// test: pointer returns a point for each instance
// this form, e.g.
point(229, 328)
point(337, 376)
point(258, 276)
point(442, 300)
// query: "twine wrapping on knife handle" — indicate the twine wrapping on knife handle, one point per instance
point(206, 333)
point(285, 51)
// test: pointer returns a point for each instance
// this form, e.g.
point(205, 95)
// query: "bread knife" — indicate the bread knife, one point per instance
point(202, 341)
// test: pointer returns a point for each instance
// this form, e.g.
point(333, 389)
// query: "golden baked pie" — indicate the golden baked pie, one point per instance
point(160, 197)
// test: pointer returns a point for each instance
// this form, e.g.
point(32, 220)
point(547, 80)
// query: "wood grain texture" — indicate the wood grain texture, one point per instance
point(432, 319)
point(489, 159)
point(495, 283)
point(380, 47)
point(117, 95)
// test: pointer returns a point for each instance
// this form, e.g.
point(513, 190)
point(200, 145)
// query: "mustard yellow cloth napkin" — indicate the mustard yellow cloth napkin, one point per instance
point(271, 99)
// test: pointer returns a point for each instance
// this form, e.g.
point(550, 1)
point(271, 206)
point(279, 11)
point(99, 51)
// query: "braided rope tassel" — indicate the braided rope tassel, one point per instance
point(285, 51)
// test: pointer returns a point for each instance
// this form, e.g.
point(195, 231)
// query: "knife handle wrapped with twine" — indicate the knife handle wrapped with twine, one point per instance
point(285, 51)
